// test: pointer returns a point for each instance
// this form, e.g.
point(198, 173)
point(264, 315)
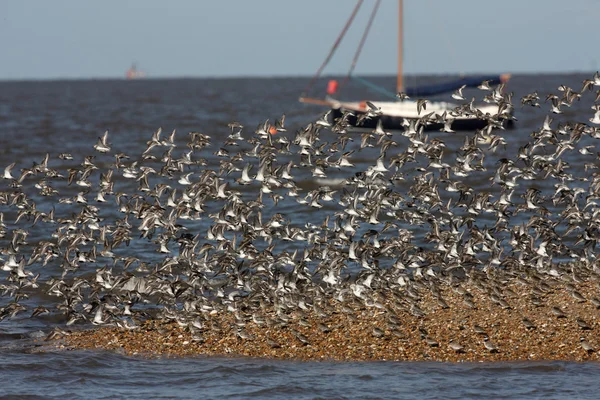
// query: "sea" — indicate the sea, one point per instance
point(68, 116)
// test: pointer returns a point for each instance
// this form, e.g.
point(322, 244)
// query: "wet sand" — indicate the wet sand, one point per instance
point(387, 330)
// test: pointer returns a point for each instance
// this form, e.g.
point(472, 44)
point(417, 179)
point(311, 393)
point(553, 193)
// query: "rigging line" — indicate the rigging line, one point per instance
point(375, 88)
point(362, 42)
point(445, 36)
point(335, 46)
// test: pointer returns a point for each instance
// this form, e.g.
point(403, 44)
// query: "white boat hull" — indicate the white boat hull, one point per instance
point(393, 114)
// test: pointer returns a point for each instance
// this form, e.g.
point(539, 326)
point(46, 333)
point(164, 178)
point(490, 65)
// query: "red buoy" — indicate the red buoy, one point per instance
point(332, 87)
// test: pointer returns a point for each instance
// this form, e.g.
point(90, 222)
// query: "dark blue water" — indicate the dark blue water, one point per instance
point(37, 118)
point(108, 376)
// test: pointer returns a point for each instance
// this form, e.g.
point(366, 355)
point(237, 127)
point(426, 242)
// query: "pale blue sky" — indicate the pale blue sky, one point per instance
point(84, 39)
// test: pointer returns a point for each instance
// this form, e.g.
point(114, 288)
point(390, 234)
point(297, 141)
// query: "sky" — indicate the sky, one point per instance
point(42, 39)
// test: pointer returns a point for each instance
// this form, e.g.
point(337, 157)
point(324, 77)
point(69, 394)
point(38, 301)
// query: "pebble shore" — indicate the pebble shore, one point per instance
point(452, 330)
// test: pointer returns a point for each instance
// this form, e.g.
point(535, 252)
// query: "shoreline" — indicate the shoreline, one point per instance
point(386, 331)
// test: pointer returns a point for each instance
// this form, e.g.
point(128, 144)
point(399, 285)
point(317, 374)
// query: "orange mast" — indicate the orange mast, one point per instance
point(400, 83)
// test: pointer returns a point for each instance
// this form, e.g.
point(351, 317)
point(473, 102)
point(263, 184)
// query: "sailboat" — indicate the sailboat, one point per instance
point(406, 102)
point(134, 73)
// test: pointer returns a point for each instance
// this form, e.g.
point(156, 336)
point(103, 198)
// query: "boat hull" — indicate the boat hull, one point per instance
point(396, 122)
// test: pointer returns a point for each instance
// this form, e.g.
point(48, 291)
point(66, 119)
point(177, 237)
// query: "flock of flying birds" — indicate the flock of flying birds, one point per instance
point(128, 232)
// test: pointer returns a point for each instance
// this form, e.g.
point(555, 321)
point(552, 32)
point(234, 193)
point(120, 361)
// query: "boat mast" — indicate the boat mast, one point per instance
point(400, 83)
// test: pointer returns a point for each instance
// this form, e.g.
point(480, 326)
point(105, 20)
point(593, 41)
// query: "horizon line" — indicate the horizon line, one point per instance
point(274, 76)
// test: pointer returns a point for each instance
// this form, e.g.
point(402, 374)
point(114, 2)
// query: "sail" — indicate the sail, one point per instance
point(445, 87)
